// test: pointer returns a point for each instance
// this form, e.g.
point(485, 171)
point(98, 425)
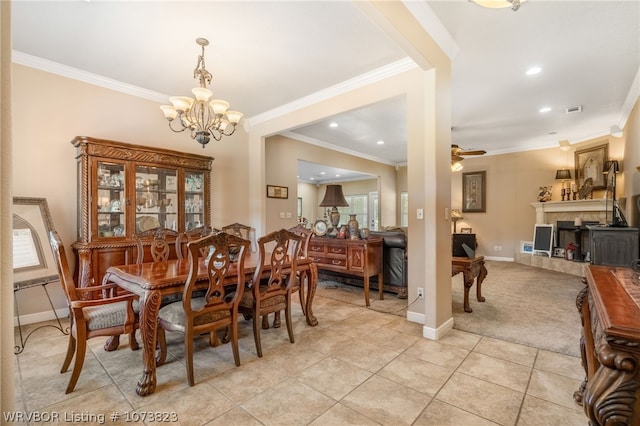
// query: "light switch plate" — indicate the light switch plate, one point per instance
point(420, 214)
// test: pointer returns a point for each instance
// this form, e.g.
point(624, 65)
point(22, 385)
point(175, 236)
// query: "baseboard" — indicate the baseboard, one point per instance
point(40, 317)
point(428, 332)
point(499, 259)
point(437, 333)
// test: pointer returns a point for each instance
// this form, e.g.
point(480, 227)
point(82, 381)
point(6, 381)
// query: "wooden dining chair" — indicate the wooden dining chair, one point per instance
point(194, 234)
point(273, 292)
point(243, 231)
point(110, 315)
point(218, 308)
point(160, 242)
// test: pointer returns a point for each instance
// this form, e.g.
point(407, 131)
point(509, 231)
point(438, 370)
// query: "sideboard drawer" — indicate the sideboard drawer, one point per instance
point(316, 248)
point(337, 250)
point(330, 262)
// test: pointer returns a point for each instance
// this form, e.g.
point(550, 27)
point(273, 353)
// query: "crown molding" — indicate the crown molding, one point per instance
point(346, 86)
point(84, 76)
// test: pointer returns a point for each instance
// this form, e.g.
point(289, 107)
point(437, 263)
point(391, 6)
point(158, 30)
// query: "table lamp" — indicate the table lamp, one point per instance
point(563, 175)
point(455, 217)
point(334, 198)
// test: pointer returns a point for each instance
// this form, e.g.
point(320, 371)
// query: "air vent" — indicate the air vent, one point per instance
point(573, 109)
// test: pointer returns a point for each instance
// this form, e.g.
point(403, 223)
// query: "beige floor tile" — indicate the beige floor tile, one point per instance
point(561, 364)
point(191, 405)
point(343, 416)
point(488, 400)
point(440, 414)
point(235, 417)
point(537, 412)
point(322, 340)
point(514, 352)
point(365, 355)
point(387, 402)
point(105, 405)
point(505, 373)
point(461, 339)
point(333, 377)
point(404, 326)
point(447, 356)
point(554, 388)
point(390, 339)
point(288, 403)
point(416, 374)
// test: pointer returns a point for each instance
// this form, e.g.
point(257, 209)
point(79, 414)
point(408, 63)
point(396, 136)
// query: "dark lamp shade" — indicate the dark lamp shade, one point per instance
point(563, 174)
point(334, 197)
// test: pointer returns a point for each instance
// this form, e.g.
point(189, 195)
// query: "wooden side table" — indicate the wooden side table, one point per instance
point(361, 258)
point(471, 268)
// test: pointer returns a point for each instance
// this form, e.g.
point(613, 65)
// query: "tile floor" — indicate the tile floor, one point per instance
point(357, 367)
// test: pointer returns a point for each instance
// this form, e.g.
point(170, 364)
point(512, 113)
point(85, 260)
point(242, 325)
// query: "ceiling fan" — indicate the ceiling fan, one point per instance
point(458, 154)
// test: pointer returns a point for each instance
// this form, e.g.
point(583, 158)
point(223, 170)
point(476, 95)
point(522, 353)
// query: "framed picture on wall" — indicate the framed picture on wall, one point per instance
point(274, 191)
point(589, 163)
point(474, 192)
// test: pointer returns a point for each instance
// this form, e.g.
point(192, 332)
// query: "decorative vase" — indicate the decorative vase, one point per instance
point(354, 233)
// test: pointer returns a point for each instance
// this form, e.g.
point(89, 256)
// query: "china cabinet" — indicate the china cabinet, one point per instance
point(124, 189)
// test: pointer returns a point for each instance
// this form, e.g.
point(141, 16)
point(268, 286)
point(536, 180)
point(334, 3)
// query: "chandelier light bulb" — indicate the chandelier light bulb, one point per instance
point(204, 118)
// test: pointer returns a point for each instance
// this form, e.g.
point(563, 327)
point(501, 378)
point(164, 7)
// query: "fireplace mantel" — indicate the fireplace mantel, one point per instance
point(595, 208)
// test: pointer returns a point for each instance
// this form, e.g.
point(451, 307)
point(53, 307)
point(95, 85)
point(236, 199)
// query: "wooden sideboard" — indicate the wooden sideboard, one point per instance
point(362, 258)
point(609, 307)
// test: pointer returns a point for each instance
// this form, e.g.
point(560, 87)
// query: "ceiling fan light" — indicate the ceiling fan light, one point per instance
point(499, 4)
point(456, 166)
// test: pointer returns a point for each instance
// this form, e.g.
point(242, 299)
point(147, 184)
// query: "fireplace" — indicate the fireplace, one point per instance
point(567, 232)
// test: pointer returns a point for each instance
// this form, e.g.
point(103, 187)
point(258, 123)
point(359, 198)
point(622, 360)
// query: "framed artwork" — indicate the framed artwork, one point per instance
point(274, 191)
point(299, 209)
point(526, 247)
point(465, 230)
point(474, 192)
point(558, 252)
point(33, 261)
point(589, 163)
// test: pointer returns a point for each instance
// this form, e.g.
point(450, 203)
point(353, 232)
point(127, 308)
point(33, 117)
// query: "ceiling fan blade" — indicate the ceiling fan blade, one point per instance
point(455, 157)
point(477, 152)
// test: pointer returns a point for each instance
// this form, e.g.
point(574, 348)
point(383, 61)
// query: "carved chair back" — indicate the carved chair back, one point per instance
point(162, 243)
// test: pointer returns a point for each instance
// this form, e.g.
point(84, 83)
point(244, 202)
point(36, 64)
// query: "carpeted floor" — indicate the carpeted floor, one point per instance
point(524, 304)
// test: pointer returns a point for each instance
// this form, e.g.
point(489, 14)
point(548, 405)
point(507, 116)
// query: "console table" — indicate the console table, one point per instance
point(471, 268)
point(610, 346)
point(362, 258)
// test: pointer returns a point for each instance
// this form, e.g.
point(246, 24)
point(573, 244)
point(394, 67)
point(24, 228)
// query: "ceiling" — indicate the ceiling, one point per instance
point(267, 54)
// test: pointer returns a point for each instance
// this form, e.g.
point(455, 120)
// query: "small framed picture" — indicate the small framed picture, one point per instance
point(526, 247)
point(274, 191)
point(558, 252)
point(465, 231)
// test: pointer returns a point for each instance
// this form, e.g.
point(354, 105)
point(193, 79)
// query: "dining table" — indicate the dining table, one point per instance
point(154, 280)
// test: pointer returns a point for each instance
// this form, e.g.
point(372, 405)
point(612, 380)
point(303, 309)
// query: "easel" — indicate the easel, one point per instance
point(30, 284)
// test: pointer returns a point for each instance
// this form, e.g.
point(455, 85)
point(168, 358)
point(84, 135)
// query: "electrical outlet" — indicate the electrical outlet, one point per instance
point(420, 292)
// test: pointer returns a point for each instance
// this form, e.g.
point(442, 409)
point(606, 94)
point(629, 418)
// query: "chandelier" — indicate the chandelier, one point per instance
point(496, 4)
point(205, 117)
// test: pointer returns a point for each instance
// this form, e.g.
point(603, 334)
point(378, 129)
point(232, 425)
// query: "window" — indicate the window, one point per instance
point(404, 209)
point(358, 206)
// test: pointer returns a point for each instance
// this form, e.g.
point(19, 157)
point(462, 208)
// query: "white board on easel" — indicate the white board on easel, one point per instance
point(543, 238)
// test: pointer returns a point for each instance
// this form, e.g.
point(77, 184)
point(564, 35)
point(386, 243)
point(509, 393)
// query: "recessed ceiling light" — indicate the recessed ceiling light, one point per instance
point(545, 109)
point(312, 178)
point(534, 70)
point(380, 142)
point(333, 124)
point(322, 173)
point(337, 175)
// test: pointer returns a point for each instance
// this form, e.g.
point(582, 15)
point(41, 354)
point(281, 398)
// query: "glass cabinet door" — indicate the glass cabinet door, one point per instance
point(193, 200)
point(156, 198)
point(111, 199)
